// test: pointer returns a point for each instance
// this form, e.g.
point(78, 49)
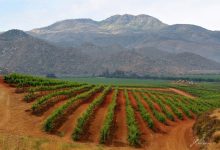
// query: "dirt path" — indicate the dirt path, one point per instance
point(121, 131)
point(182, 93)
point(4, 106)
point(97, 121)
point(180, 137)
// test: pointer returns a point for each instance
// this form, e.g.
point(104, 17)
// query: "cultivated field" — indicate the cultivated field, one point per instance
point(104, 115)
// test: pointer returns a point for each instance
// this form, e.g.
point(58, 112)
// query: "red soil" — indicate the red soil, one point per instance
point(16, 121)
point(51, 109)
point(182, 93)
point(157, 107)
point(93, 132)
point(146, 133)
point(54, 102)
point(169, 122)
point(180, 137)
point(14, 118)
point(69, 125)
point(159, 127)
point(184, 115)
point(120, 132)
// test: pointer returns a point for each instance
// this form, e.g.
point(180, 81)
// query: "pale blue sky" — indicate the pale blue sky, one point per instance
point(29, 14)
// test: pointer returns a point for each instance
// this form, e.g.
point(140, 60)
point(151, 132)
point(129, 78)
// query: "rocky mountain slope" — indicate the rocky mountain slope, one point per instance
point(140, 45)
point(21, 52)
point(130, 31)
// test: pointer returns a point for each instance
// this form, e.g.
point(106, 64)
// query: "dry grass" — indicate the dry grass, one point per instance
point(207, 128)
point(216, 114)
point(18, 142)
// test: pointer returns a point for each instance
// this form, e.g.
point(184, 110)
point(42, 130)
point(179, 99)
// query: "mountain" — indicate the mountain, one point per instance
point(24, 53)
point(126, 23)
point(141, 45)
point(130, 32)
point(111, 25)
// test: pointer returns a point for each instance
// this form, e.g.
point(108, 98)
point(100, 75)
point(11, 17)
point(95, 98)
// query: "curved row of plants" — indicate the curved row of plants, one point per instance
point(182, 106)
point(159, 116)
point(50, 122)
point(162, 106)
point(55, 87)
point(192, 105)
point(133, 130)
point(173, 108)
point(26, 80)
point(82, 121)
point(109, 120)
point(70, 92)
point(144, 113)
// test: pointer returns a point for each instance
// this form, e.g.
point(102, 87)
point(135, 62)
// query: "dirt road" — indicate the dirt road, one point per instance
point(181, 93)
point(4, 105)
point(180, 137)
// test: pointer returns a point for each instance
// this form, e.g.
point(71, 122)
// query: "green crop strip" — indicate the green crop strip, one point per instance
point(44, 99)
point(144, 113)
point(162, 106)
point(105, 131)
point(49, 123)
point(81, 122)
point(159, 116)
point(133, 130)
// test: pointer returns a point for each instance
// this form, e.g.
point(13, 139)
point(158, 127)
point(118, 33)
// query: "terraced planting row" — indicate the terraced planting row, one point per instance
point(105, 114)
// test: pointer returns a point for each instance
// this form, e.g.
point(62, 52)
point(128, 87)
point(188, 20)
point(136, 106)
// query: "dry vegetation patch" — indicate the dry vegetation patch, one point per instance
point(207, 128)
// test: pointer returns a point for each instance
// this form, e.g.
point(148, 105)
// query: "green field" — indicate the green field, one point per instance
point(86, 100)
point(206, 91)
point(120, 81)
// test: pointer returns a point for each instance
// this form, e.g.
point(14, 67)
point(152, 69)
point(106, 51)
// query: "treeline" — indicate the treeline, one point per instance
point(122, 74)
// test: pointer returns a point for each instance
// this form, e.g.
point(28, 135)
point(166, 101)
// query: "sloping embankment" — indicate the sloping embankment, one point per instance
point(207, 128)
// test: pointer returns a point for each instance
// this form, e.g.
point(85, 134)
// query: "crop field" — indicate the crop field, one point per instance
point(109, 114)
point(120, 81)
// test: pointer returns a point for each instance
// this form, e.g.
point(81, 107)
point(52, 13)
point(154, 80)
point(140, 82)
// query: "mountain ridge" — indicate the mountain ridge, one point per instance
point(80, 47)
point(106, 25)
point(129, 32)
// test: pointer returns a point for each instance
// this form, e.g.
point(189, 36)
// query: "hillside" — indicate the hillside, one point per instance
point(130, 31)
point(206, 128)
point(24, 53)
point(141, 45)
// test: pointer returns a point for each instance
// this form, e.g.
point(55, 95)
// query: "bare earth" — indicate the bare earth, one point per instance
point(16, 121)
point(181, 92)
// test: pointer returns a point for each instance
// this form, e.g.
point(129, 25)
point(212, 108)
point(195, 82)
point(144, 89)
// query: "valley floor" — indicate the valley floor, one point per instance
point(20, 129)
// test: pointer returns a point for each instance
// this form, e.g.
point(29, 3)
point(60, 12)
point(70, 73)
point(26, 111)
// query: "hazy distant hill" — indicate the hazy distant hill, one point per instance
point(136, 44)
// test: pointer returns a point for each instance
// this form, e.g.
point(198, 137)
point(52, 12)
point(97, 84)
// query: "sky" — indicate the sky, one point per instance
point(30, 14)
